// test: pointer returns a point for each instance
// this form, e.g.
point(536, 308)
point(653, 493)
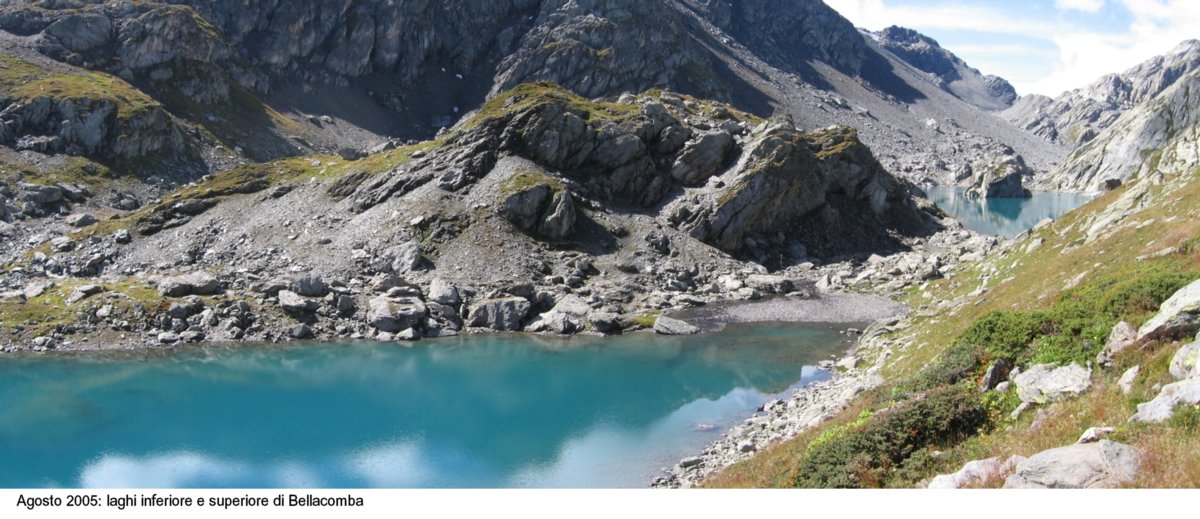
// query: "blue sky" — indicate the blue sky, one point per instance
point(1041, 46)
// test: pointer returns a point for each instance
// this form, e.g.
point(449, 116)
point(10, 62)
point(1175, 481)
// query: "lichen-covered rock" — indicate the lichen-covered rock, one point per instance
point(1186, 362)
point(1177, 317)
point(1046, 383)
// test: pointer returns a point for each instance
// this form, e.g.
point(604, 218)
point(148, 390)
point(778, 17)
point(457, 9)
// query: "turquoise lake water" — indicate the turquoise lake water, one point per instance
point(476, 411)
point(1003, 216)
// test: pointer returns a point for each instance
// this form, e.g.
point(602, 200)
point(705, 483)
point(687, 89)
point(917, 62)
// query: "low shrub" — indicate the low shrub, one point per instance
point(867, 456)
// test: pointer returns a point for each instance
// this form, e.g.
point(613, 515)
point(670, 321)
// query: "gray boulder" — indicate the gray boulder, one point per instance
point(195, 283)
point(407, 257)
point(1122, 336)
point(554, 322)
point(1186, 362)
point(440, 291)
point(1163, 405)
point(504, 313)
point(300, 331)
point(769, 284)
point(1045, 383)
point(81, 220)
point(573, 306)
point(82, 292)
point(292, 302)
point(393, 315)
point(310, 285)
point(1127, 379)
point(605, 322)
point(668, 326)
point(1103, 464)
point(1178, 316)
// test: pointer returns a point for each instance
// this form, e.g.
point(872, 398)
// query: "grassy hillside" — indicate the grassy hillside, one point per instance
point(1051, 297)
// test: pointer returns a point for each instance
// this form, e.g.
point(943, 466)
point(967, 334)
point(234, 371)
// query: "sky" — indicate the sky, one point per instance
point(1040, 46)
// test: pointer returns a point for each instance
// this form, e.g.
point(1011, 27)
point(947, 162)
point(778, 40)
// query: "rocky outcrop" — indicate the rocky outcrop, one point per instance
point(1003, 178)
point(1185, 367)
point(538, 203)
point(1104, 464)
point(812, 185)
point(1161, 136)
point(952, 74)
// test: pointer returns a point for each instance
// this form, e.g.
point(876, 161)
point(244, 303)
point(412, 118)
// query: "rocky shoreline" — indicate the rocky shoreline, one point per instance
point(781, 419)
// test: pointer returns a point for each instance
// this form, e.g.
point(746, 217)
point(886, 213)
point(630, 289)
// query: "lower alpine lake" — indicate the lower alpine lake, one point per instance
point(499, 410)
point(1006, 217)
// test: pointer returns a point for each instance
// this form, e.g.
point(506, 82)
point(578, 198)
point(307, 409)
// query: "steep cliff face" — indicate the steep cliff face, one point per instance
point(1078, 116)
point(1158, 137)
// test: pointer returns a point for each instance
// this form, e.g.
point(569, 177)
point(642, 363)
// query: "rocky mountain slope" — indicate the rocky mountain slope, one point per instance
point(1159, 137)
point(260, 80)
point(543, 211)
point(951, 73)
point(1077, 117)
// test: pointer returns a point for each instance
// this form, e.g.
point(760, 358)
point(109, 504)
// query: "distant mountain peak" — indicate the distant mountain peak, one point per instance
point(924, 53)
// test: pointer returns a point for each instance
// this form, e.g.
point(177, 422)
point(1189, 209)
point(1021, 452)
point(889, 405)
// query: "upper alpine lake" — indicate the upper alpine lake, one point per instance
point(504, 410)
point(1006, 217)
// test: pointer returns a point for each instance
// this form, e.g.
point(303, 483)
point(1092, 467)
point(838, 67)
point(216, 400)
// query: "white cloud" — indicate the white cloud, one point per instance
point(1082, 53)
point(1088, 6)
point(877, 14)
point(1155, 28)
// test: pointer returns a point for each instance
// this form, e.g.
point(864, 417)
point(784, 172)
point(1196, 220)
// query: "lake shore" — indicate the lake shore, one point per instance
point(807, 406)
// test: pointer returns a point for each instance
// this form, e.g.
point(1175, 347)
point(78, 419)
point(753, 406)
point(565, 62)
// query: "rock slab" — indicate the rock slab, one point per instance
point(1103, 464)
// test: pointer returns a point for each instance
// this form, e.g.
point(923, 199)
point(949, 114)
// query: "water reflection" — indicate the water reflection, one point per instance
point(502, 410)
point(1003, 216)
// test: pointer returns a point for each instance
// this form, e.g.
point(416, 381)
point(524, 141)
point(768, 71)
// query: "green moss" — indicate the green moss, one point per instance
point(25, 81)
point(530, 95)
point(526, 179)
point(644, 320)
